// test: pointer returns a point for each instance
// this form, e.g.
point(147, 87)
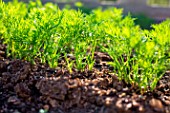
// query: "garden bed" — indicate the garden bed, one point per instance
point(26, 88)
point(67, 61)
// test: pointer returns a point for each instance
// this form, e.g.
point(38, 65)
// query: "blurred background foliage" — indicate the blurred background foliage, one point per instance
point(161, 3)
point(140, 18)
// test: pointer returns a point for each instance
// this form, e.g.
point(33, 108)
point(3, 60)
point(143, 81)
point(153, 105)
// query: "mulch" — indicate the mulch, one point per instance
point(27, 88)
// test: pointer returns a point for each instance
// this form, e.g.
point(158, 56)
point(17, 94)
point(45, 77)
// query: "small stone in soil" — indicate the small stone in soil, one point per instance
point(156, 104)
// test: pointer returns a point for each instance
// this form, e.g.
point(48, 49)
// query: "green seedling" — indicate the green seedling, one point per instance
point(69, 64)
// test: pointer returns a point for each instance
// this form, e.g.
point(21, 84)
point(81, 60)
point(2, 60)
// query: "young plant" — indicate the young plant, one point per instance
point(90, 55)
point(80, 55)
point(69, 63)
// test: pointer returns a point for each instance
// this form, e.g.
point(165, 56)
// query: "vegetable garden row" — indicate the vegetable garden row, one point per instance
point(44, 32)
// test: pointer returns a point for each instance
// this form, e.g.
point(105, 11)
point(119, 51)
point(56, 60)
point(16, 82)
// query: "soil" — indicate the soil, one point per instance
point(27, 88)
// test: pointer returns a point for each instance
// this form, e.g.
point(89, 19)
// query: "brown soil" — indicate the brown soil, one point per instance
point(26, 88)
